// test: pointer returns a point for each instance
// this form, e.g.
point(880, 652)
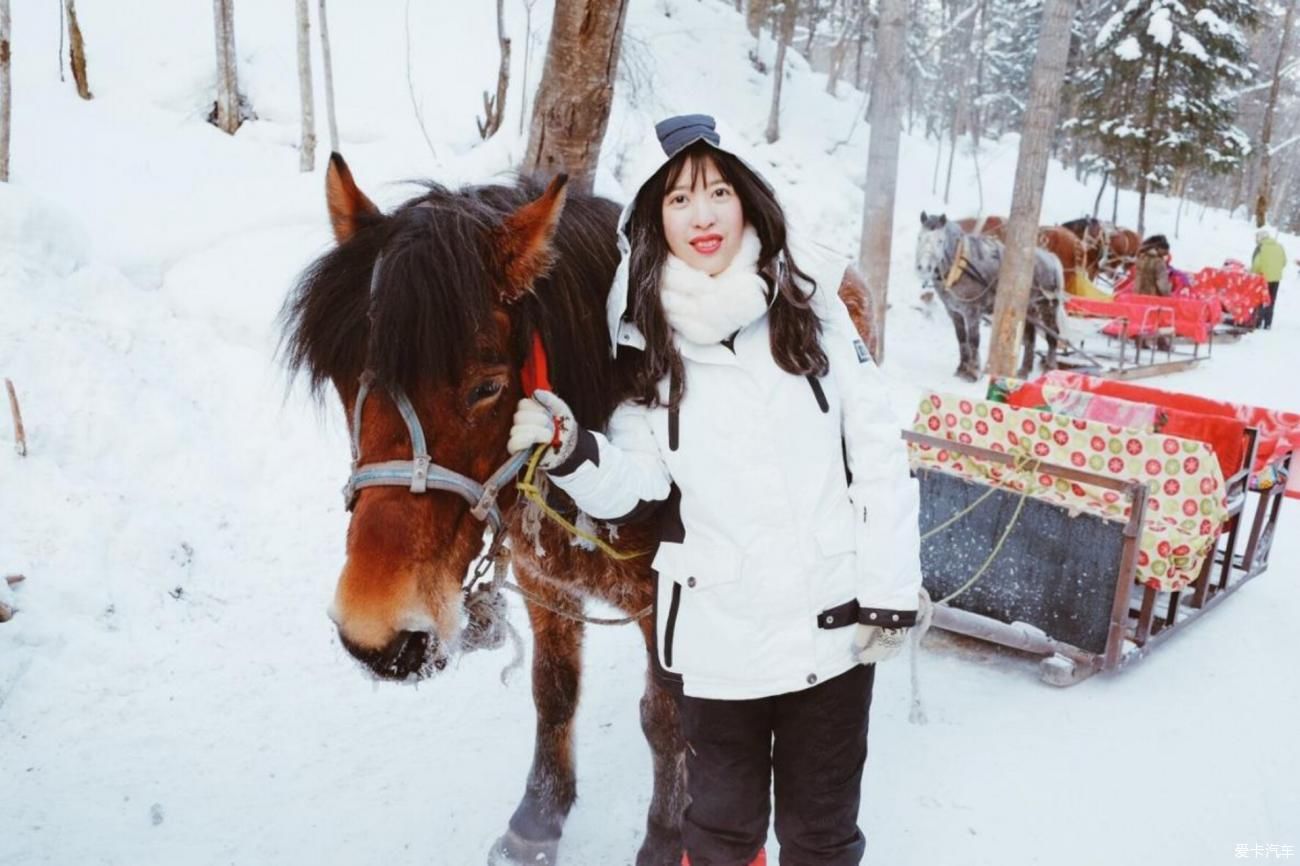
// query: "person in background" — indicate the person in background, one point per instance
point(1268, 261)
point(1153, 268)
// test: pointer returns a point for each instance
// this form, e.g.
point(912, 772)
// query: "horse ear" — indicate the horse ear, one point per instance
point(943, 220)
point(524, 240)
point(347, 204)
point(923, 217)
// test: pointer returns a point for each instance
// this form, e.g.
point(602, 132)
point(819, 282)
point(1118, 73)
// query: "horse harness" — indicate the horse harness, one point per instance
point(962, 266)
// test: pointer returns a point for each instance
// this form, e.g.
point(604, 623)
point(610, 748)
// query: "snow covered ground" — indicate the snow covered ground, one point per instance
point(171, 691)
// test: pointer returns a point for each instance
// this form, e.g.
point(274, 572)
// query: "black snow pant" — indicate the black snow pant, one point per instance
point(810, 746)
point(1266, 313)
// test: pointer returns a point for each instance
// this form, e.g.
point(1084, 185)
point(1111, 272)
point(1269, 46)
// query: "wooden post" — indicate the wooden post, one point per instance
point(227, 114)
point(20, 437)
point(329, 79)
point(5, 91)
point(1027, 193)
point(1266, 134)
point(882, 162)
point(306, 96)
point(76, 50)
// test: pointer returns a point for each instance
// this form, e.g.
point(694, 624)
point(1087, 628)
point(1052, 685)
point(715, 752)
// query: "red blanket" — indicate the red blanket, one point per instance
point(1225, 435)
point(1279, 432)
point(1239, 291)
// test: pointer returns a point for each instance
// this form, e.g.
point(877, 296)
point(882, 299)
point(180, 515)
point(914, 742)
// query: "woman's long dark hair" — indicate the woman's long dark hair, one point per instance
point(794, 326)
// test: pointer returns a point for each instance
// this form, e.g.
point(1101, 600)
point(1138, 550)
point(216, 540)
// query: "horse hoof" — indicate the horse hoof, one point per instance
point(967, 375)
point(514, 850)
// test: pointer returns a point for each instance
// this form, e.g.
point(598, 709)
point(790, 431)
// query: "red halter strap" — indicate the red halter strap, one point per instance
point(536, 374)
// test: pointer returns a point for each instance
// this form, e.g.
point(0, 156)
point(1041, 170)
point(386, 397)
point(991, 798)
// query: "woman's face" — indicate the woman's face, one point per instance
point(703, 223)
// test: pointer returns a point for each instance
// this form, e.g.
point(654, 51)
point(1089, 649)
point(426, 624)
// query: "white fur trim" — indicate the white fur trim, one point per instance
point(704, 309)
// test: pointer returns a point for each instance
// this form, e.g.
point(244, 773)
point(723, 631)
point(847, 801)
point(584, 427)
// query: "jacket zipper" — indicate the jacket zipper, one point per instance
point(671, 625)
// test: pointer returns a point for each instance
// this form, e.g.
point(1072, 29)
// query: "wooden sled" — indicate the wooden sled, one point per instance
point(1063, 585)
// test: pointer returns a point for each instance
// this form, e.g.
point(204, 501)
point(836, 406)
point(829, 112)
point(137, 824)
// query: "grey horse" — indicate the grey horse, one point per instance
point(963, 270)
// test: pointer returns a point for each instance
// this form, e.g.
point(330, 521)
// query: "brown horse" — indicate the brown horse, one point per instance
point(989, 226)
point(1068, 249)
point(1121, 251)
point(434, 310)
point(1095, 241)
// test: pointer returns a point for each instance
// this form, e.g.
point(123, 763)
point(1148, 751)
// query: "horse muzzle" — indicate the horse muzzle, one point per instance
point(408, 656)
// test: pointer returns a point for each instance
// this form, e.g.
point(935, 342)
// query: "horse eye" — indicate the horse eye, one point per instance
point(483, 391)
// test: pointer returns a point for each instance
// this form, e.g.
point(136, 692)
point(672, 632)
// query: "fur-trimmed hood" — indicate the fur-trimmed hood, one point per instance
point(672, 135)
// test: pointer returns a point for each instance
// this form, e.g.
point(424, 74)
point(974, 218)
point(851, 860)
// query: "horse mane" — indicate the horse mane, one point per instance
point(436, 289)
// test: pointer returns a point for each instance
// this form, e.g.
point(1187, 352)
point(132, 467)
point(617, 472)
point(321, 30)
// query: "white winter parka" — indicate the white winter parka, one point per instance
point(768, 556)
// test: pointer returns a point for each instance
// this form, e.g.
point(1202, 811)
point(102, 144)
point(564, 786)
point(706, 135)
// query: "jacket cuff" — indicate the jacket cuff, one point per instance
point(886, 618)
point(585, 449)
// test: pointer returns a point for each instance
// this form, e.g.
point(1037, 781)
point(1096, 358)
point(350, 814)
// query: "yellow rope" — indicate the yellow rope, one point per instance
point(533, 493)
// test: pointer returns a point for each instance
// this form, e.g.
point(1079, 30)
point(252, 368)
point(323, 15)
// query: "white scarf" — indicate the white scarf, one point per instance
point(704, 309)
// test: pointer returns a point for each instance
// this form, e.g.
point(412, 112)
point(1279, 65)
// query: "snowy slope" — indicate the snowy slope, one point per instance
point(171, 691)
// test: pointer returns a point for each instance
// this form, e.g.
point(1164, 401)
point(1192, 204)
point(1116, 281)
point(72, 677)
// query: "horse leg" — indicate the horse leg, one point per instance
point(1029, 337)
point(1050, 335)
point(959, 324)
point(970, 369)
point(663, 837)
point(534, 833)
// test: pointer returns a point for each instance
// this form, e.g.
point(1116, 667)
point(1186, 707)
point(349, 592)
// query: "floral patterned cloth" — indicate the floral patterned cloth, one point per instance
point(1226, 436)
point(1185, 507)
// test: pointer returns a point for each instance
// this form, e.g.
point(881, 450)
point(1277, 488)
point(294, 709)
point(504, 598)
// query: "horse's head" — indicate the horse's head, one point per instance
point(931, 248)
point(421, 321)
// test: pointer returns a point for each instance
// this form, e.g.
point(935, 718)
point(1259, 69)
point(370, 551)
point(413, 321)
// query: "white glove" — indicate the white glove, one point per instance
point(872, 644)
point(544, 419)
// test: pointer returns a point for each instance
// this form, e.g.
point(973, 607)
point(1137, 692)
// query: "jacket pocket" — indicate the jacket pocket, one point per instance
point(698, 564)
point(697, 587)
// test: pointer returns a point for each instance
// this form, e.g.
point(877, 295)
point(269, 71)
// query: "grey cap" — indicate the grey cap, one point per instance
point(677, 133)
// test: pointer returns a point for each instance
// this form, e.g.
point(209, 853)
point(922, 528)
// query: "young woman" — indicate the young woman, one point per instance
point(788, 562)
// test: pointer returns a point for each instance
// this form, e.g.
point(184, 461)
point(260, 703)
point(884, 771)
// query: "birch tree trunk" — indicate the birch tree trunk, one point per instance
point(574, 98)
point(329, 79)
point(882, 162)
point(5, 91)
point(76, 50)
point(227, 114)
point(1027, 193)
point(1266, 136)
point(307, 149)
point(789, 12)
point(528, 53)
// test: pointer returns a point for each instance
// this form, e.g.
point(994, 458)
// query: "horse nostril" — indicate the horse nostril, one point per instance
point(403, 656)
point(410, 649)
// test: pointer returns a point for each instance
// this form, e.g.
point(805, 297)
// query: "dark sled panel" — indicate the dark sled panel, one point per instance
point(1055, 571)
